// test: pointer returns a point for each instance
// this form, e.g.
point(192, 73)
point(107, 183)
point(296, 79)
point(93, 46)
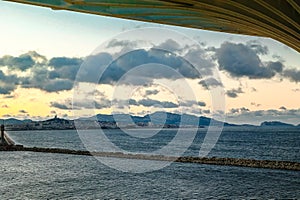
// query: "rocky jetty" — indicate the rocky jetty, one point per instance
point(241, 162)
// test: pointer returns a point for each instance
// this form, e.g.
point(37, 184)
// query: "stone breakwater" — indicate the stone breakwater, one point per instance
point(241, 162)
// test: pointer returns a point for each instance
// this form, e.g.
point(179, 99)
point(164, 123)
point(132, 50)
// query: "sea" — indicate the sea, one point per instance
point(32, 175)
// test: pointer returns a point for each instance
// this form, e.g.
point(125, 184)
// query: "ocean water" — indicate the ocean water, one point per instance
point(30, 175)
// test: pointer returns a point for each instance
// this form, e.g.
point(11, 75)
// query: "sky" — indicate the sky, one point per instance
point(72, 64)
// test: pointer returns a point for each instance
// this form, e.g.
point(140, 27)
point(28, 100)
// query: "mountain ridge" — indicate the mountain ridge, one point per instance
point(156, 118)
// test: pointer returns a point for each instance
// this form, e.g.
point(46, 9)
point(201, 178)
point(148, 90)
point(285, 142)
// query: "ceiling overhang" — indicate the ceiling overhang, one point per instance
point(277, 19)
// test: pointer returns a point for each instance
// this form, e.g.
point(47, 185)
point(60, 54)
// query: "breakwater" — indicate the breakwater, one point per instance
point(241, 162)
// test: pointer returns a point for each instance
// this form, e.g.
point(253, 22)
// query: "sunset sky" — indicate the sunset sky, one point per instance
point(44, 52)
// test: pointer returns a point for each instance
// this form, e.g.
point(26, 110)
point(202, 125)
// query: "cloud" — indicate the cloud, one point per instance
point(191, 103)
point(151, 92)
point(61, 106)
point(292, 74)
point(203, 61)
point(9, 96)
point(153, 103)
point(42, 78)
point(81, 104)
point(258, 116)
point(169, 45)
point(122, 43)
point(59, 73)
point(255, 104)
point(201, 103)
point(239, 110)
point(6, 88)
point(133, 102)
point(282, 108)
point(158, 63)
point(257, 47)
point(206, 111)
point(253, 89)
point(8, 83)
point(58, 62)
point(210, 82)
point(275, 66)
point(22, 62)
point(22, 111)
point(241, 60)
point(233, 93)
point(57, 85)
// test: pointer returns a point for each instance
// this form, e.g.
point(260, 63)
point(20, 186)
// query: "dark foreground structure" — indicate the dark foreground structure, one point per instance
point(277, 19)
point(283, 165)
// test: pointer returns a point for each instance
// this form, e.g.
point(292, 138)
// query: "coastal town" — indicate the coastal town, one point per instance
point(65, 124)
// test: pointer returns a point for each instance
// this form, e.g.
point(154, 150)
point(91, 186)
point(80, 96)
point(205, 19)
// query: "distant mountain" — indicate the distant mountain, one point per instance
point(160, 118)
point(12, 121)
point(155, 119)
point(275, 123)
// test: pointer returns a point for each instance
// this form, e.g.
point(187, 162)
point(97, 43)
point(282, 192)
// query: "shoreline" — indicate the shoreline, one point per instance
point(239, 162)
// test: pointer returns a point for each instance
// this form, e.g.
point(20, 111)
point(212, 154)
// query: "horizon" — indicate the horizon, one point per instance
point(39, 71)
point(78, 118)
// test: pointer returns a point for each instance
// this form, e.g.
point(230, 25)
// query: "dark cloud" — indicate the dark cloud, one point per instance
point(191, 103)
point(9, 96)
point(102, 103)
point(156, 60)
point(242, 60)
point(39, 80)
point(239, 110)
point(59, 73)
point(153, 103)
point(277, 57)
point(206, 111)
point(292, 74)
point(203, 62)
point(282, 108)
point(151, 92)
point(8, 83)
point(133, 102)
point(58, 62)
point(60, 106)
point(169, 45)
point(275, 66)
point(22, 111)
point(233, 93)
point(64, 72)
point(210, 82)
point(57, 85)
point(7, 88)
point(93, 68)
point(201, 103)
point(257, 47)
point(82, 104)
point(22, 62)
